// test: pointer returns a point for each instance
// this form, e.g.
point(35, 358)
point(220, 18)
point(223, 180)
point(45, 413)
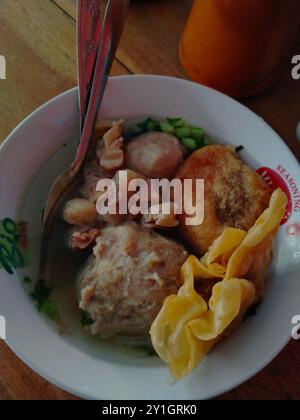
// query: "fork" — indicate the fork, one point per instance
point(93, 73)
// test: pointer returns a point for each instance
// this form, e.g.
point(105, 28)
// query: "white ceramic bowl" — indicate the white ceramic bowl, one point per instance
point(33, 156)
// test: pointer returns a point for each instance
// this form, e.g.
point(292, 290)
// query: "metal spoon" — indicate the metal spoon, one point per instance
point(114, 20)
point(88, 40)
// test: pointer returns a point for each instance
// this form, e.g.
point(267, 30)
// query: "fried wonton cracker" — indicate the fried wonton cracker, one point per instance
point(188, 326)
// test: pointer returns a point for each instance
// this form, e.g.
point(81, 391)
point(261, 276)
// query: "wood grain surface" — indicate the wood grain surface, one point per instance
point(38, 40)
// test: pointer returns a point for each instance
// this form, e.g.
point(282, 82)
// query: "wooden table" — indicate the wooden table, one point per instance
point(38, 40)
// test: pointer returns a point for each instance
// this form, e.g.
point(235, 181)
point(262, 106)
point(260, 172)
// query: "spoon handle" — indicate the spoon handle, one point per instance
point(88, 38)
point(113, 25)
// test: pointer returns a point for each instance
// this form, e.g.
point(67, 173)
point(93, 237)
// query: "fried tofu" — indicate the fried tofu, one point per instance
point(235, 195)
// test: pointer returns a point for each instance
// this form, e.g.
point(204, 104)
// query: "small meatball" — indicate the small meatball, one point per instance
point(82, 240)
point(79, 211)
point(127, 280)
point(155, 155)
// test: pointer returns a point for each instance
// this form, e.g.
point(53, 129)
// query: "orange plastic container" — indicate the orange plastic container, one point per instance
point(239, 46)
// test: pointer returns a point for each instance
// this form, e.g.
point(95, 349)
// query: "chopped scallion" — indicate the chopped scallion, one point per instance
point(41, 295)
point(49, 308)
point(197, 133)
point(176, 122)
point(192, 137)
point(190, 144)
point(167, 127)
point(183, 132)
point(152, 125)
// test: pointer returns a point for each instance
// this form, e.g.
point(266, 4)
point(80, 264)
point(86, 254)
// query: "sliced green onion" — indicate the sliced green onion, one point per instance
point(176, 122)
point(192, 137)
point(41, 292)
point(197, 133)
point(49, 308)
point(183, 132)
point(153, 125)
point(144, 124)
point(167, 127)
point(189, 144)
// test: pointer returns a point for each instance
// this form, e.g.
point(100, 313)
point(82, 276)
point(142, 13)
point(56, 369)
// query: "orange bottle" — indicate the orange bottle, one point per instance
point(239, 46)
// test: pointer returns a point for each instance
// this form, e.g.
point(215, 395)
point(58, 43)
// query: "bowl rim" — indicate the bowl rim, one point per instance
point(10, 139)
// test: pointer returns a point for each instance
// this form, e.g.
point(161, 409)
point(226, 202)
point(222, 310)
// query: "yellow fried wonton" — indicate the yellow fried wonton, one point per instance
point(188, 326)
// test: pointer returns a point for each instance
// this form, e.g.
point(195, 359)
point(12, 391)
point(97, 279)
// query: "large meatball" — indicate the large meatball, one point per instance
point(235, 195)
point(154, 154)
point(131, 273)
